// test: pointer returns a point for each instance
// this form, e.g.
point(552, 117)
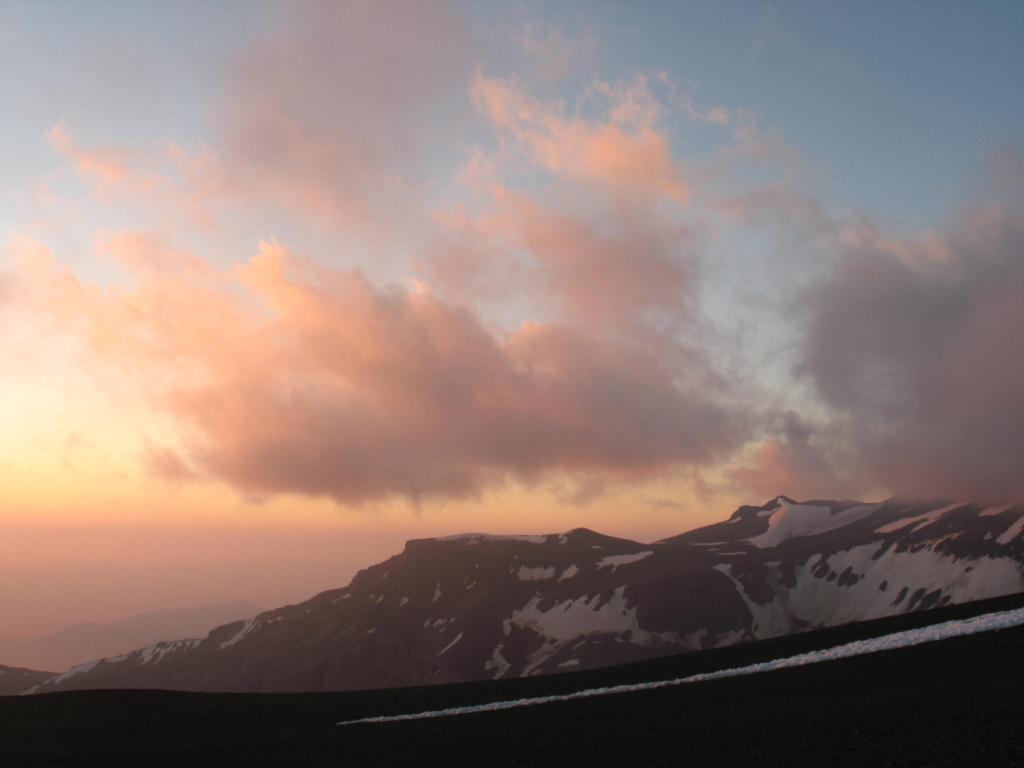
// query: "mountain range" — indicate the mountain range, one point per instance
point(475, 606)
point(83, 642)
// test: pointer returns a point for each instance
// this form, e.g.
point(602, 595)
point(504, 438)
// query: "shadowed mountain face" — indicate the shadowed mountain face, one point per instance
point(15, 680)
point(476, 607)
point(84, 642)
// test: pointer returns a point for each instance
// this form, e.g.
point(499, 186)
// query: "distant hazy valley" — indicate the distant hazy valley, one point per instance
point(84, 642)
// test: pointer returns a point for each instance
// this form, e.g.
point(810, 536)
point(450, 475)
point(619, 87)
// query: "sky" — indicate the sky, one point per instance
point(283, 285)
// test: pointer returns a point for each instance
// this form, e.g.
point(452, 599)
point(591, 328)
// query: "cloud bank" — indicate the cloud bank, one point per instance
point(545, 319)
point(290, 377)
point(917, 346)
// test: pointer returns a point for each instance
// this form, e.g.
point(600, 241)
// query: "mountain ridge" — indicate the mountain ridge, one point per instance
point(477, 606)
point(83, 642)
point(15, 680)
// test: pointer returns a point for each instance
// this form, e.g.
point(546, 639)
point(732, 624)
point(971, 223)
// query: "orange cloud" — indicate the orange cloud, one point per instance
point(794, 459)
point(286, 376)
point(601, 275)
point(106, 167)
point(624, 153)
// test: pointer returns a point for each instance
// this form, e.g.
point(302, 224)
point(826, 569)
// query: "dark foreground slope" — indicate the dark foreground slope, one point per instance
point(954, 702)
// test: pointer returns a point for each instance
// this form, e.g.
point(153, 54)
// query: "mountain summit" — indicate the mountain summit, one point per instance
point(476, 606)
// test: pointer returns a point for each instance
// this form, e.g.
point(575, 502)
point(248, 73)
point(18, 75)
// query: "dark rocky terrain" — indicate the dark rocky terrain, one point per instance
point(948, 703)
point(479, 607)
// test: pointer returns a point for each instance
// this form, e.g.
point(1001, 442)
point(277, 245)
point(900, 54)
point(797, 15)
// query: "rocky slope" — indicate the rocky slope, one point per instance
point(15, 680)
point(476, 606)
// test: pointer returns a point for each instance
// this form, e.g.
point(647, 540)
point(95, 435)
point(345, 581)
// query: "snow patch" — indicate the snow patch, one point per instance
point(920, 521)
point(539, 573)
point(819, 602)
point(789, 521)
point(452, 643)
point(1012, 532)
point(585, 615)
point(437, 593)
point(614, 561)
point(247, 627)
point(569, 573)
point(497, 662)
point(156, 652)
point(78, 669)
point(993, 511)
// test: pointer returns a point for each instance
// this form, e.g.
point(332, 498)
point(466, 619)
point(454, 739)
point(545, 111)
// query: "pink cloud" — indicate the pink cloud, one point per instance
point(106, 167)
point(162, 179)
point(624, 153)
point(592, 243)
point(914, 343)
point(795, 458)
point(616, 271)
point(289, 377)
point(602, 274)
point(328, 116)
point(167, 464)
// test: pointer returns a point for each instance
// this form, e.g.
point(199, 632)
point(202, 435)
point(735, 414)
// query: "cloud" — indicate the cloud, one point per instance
point(553, 55)
point(630, 267)
point(559, 232)
point(328, 116)
point(106, 167)
point(285, 376)
point(622, 153)
point(796, 458)
point(167, 464)
point(914, 342)
point(161, 179)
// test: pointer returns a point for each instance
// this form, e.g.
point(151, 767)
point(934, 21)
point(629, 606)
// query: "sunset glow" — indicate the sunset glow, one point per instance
point(283, 285)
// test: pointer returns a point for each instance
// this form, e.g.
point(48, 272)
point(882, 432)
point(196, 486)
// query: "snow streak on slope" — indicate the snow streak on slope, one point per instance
point(920, 521)
point(1012, 532)
point(985, 623)
point(614, 561)
point(792, 520)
